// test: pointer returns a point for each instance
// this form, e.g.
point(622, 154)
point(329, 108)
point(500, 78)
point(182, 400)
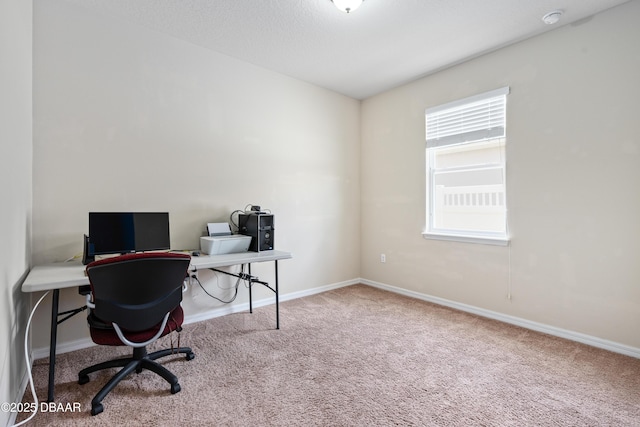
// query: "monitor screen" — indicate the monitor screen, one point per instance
point(125, 232)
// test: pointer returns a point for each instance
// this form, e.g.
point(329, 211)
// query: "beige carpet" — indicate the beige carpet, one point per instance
point(359, 356)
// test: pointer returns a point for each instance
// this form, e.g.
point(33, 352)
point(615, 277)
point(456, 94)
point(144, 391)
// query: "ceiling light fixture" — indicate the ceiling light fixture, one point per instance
point(347, 5)
point(552, 17)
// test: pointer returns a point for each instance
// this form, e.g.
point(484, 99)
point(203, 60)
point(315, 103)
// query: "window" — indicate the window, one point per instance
point(466, 198)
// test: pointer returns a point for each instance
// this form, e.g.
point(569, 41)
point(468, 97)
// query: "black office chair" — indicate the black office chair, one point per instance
point(135, 299)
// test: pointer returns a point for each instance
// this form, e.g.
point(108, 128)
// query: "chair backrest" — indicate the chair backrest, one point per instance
point(136, 291)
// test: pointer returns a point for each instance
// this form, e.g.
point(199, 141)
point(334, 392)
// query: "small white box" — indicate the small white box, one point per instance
point(219, 245)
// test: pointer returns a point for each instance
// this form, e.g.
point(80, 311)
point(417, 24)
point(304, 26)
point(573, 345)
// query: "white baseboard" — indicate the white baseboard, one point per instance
point(62, 347)
point(222, 311)
point(528, 324)
point(65, 347)
point(24, 383)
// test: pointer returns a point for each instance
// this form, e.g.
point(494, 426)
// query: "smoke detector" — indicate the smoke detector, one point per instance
point(552, 17)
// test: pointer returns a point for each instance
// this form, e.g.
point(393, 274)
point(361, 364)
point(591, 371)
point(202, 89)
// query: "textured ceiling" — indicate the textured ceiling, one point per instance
point(381, 45)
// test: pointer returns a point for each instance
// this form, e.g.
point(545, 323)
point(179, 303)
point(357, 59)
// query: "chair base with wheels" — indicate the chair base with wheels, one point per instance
point(140, 360)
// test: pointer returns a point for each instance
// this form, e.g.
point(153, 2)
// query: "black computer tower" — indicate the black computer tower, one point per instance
point(260, 227)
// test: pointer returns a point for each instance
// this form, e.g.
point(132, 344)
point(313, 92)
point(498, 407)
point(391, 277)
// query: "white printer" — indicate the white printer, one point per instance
point(221, 241)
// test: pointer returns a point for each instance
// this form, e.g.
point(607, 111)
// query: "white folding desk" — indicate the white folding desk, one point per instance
point(61, 275)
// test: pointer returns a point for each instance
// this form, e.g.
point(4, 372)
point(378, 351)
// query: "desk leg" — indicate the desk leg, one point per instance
point(250, 297)
point(277, 306)
point(52, 342)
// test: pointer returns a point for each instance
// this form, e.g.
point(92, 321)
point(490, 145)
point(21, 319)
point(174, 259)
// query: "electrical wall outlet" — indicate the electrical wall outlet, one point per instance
point(383, 258)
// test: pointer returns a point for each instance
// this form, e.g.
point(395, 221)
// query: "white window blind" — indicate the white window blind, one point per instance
point(475, 118)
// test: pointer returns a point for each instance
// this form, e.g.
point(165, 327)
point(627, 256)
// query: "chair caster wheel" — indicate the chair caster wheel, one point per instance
point(175, 388)
point(190, 355)
point(83, 379)
point(96, 408)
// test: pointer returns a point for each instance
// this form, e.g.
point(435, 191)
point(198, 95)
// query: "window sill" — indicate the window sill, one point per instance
point(496, 241)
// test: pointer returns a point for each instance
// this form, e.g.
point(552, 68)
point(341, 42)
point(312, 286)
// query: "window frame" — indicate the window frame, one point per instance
point(467, 236)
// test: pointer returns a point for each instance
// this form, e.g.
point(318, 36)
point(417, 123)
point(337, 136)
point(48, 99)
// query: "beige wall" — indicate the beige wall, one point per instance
point(15, 192)
point(130, 119)
point(573, 150)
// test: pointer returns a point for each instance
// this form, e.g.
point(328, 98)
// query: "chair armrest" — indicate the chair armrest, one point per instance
point(89, 303)
point(141, 344)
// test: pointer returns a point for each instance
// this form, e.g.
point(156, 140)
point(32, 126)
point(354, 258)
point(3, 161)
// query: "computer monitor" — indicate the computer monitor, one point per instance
point(126, 232)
